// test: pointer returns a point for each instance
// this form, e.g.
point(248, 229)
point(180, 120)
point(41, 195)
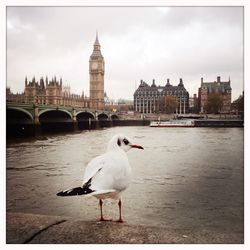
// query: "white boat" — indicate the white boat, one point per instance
point(172, 124)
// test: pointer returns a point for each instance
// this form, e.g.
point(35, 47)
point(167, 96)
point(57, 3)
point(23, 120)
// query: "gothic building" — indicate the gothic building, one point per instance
point(47, 92)
point(96, 77)
point(17, 97)
point(53, 92)
point(223, 88)
point(151, 99)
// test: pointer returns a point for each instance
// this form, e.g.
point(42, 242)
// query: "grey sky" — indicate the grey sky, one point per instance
point(136, 42)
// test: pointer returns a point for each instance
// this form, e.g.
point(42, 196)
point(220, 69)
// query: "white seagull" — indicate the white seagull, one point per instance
point(107, 175)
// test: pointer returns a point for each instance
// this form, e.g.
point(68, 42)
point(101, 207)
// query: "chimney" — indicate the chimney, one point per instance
point(153, 81)
point(168, 81)
point(202, 80)
point(218, 78)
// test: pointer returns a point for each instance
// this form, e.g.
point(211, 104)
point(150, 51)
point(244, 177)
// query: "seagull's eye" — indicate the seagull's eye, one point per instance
point(126, 142)
point(119, 142)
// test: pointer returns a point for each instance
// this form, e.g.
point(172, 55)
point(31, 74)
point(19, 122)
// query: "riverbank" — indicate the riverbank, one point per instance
point(32, 130)
point(43, 229)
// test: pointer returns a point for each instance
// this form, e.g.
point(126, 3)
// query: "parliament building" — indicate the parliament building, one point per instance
point(45, 91)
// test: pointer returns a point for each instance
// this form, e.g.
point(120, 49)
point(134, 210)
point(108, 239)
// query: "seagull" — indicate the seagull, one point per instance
point(107, 175)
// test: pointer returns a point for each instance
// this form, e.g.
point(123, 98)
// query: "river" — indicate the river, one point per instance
point(184, 177)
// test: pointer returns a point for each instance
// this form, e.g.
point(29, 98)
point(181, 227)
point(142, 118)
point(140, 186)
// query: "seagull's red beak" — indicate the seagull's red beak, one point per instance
point(136, 146)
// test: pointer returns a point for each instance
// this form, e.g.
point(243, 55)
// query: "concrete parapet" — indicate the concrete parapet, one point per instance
point(22, 228)
point(43, 229)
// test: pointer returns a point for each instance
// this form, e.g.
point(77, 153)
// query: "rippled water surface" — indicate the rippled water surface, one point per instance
point(185, 177)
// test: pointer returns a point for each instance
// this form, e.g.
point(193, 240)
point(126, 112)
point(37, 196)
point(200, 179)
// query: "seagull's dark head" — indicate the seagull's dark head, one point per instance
point(123, 142)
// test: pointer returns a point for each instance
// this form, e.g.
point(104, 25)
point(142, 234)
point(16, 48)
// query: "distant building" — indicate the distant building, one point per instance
point(18, 97)
point(47, 92)
point(119, 105)
point(237, 106)
point(154, 99)
point(223, 88)
point(43, 92)
point(193, 104)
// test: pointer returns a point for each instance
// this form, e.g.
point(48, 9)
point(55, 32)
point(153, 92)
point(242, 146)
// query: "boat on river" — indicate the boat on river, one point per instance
point(172, 124)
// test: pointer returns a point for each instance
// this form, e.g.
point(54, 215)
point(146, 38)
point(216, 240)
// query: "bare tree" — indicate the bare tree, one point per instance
point(214, 103)
point(167, 104)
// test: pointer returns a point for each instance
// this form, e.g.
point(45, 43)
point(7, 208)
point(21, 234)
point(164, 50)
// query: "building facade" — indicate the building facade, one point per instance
point(47, 92)
point(223, 88)
point(17, 97)
point(96, 77)
point(237, 106)
point(43, 92)
point(165, 99)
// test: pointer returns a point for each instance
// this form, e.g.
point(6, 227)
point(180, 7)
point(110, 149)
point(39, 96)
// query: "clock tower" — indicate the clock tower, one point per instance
point(96, 77)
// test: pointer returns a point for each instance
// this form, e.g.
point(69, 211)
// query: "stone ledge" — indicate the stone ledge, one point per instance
point(22, 227)
point(43, 229)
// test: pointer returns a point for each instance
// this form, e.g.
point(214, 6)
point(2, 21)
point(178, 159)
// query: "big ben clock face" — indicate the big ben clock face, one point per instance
point(94, 66)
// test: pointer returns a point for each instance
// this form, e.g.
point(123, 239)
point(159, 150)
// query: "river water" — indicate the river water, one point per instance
point(185, 177)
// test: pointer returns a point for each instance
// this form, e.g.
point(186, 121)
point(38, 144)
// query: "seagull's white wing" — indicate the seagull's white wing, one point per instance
point(110, 171)
point(93, 166)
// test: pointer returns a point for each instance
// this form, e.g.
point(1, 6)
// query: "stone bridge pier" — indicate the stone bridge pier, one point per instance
point(37, 128)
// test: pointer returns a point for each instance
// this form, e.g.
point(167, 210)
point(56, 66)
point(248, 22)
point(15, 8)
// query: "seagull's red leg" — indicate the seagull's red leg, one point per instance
point(101, 218)
point(100, 203)
point(120, 211)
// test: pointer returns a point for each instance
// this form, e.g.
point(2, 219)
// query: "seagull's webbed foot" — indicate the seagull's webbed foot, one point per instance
point(102, 219)
point(120, 220)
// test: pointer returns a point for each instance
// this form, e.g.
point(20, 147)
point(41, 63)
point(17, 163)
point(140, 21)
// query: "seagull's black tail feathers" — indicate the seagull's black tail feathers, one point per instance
point(85, 189)
point(75, 191)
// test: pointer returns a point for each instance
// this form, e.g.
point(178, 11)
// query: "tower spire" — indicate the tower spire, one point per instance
point(97, 48)
point(96, 71)
point(96, 39)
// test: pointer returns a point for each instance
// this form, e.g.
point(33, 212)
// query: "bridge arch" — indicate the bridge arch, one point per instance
point(13, 112)
point(53, 115)
point(114, 117)
point(19, 122)
point(55, 110)
point(103, 116)
point(84, 115)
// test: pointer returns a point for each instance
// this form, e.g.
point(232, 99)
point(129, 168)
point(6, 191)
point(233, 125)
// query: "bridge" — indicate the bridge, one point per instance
point(28, 116)
point(33, 113)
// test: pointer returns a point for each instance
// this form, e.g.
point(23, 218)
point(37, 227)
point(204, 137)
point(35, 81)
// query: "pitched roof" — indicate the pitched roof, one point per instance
point(216, 86)
point(168, 87)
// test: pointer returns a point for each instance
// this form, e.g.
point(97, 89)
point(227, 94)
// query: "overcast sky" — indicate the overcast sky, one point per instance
point(136, 42)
